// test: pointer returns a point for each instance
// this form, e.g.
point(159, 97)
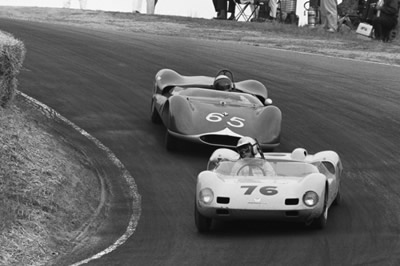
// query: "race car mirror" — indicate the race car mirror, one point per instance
point(268, 101)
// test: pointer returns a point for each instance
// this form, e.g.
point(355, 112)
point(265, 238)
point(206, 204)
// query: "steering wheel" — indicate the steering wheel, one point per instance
point(250, 170)
point(227, 73)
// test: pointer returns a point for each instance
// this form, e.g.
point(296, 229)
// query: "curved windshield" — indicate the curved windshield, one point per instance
point(264, 168)
point(213, 96)
point(245, 167)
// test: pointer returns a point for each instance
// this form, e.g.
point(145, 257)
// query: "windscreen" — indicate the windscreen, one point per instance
point(264, 168)
point(213, 96)
point(245, 167)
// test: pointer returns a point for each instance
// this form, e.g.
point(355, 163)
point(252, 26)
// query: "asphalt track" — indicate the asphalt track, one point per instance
point(102, 82)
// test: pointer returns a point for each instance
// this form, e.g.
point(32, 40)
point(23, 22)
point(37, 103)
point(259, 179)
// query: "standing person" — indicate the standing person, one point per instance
point(232, 7)
point(151, 4)
point(385, 19)
point(273, 6)
point(329, 15)
point(221, 7)
point(137, 6)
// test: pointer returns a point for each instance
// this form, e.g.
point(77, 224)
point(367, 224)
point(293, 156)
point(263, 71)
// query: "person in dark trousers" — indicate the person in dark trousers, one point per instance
point(221, 7)
point(385, 19)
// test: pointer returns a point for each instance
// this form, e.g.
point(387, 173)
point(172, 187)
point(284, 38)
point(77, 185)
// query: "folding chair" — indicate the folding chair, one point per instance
point(242, 9)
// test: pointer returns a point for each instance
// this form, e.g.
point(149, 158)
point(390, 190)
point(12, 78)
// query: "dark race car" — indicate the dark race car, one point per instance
point(214, 110)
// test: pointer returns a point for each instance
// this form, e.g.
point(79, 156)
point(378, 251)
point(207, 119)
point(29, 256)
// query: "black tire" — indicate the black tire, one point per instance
point(203, 223)
point(320, 222)
point(171, 142)
point(338, 200)
point(154, 116)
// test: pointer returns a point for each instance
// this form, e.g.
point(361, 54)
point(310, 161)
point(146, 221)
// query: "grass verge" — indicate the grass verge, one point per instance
point(47, 190)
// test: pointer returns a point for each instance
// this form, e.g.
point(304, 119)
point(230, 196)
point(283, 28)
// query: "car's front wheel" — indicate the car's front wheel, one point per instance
point(171, 142)
point(203, 223)
point(338, 199)
point(154, 116)
point(320, 221)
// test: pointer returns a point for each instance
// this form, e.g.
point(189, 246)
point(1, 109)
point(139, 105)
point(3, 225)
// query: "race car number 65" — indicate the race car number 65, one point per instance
point(233, 122)
point(267, 191)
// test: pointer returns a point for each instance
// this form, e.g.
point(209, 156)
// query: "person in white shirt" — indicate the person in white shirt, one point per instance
point(151, 4)
point(329, 15)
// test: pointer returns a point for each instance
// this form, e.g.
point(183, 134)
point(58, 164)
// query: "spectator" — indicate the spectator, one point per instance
point(252, 6)
point(385, 19)
point(266, 13)
point(273, 6)
point(221, 7)
point(151, 4)
point(288, 11)
point(329, 15)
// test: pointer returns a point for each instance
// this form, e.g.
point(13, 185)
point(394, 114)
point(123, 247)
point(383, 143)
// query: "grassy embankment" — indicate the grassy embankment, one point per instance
point(44, 201)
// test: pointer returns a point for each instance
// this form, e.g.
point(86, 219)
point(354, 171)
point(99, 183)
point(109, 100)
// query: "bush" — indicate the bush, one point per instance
point(12, 55)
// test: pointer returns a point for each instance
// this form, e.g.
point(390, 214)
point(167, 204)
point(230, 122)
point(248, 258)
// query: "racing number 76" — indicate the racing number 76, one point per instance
point(267, 191)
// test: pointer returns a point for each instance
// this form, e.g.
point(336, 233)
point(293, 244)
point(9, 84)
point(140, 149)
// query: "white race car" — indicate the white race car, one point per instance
point(279, 186)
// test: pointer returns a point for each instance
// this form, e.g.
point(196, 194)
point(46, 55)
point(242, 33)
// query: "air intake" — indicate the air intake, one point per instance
point(222, 200)
point(220, 140)
point(222, 212)
point(291, 201)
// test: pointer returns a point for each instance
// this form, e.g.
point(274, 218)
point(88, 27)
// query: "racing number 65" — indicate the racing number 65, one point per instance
point(267, 191)
point(233, 122)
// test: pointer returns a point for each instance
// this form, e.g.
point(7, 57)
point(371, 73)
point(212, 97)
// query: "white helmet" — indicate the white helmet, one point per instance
point(223, 83)
point(247, 145)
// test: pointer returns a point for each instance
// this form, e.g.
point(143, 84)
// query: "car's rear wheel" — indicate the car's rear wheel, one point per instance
point(154, 116)
point(203, 223)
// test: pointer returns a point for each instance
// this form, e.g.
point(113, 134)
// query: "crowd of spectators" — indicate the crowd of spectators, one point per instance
point(223, 7)
point(383, 14)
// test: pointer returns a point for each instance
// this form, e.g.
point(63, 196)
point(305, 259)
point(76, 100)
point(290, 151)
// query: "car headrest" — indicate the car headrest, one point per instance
point(299, 154)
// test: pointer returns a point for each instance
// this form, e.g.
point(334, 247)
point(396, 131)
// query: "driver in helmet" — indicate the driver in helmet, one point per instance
point(223, 83)
point(247, 147)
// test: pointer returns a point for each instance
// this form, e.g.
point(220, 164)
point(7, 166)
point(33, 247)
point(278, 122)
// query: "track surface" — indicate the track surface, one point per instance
point(102, 81)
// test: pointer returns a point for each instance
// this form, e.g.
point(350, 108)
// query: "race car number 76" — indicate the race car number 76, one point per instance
point(267, 191)
point(233, 122)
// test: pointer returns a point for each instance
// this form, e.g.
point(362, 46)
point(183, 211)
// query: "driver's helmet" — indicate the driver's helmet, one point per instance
point(247, 147)
point(223, 83)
